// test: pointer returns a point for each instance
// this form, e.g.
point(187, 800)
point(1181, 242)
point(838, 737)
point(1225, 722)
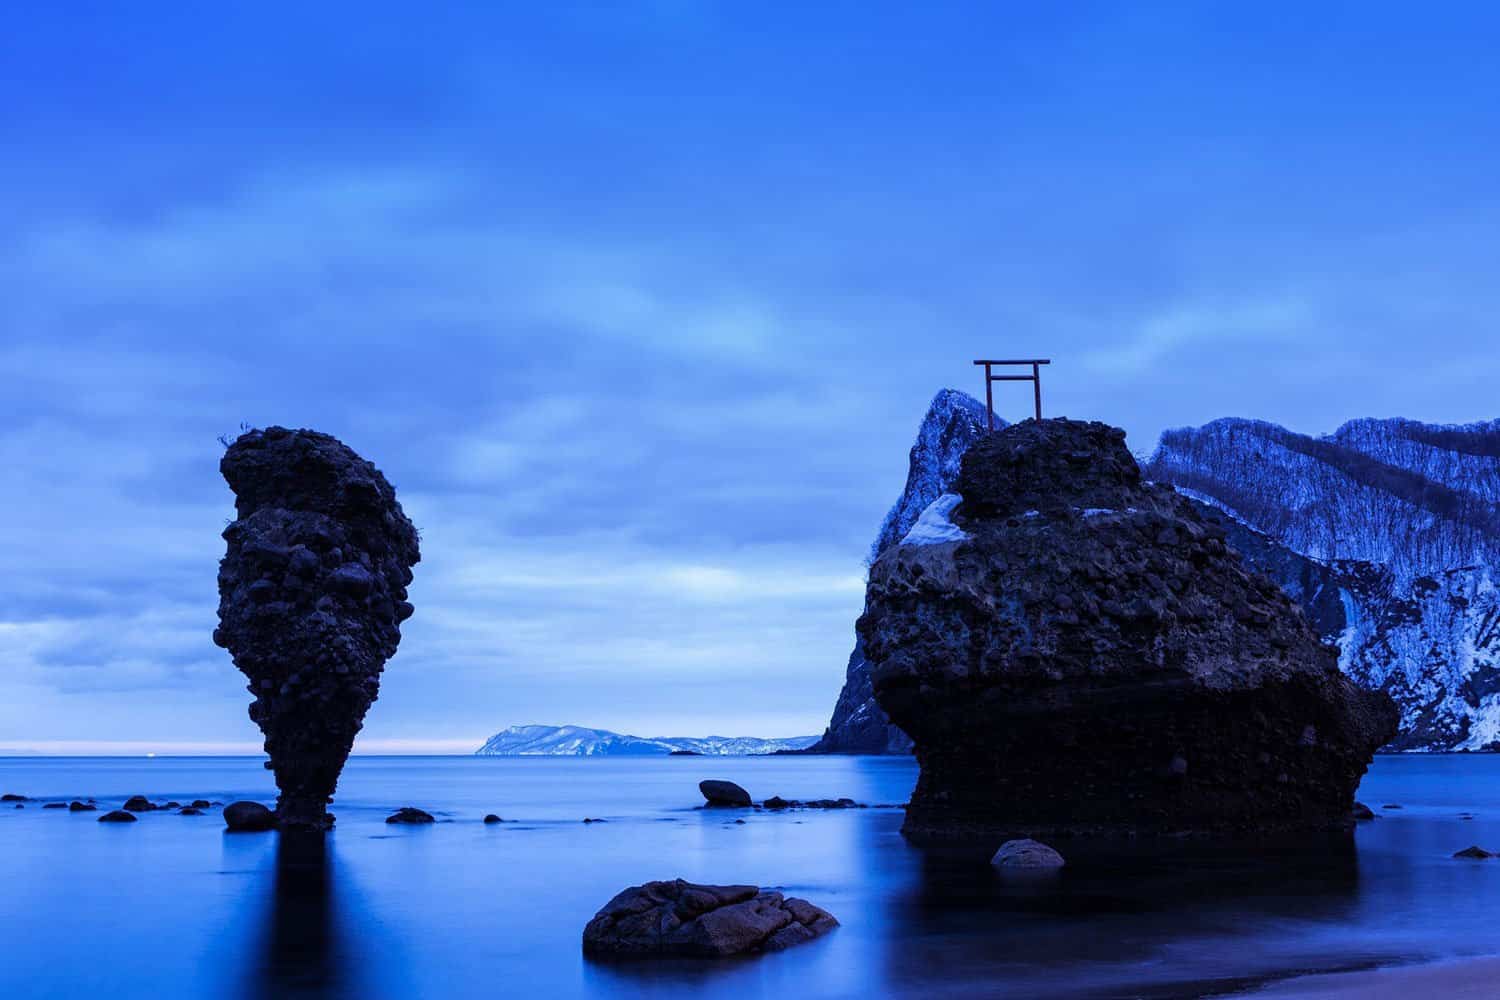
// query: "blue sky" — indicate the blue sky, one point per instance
point(638, 307)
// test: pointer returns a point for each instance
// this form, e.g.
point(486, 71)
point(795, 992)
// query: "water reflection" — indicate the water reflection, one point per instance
point(304, 953)
point(1179, 915)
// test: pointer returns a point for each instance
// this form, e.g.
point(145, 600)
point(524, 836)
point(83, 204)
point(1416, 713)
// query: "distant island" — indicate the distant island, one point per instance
point(580, 741)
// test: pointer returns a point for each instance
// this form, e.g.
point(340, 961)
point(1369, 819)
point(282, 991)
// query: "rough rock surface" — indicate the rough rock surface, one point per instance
point(1027, 854)
point(663, 919)
point(312, 593)
point(1090, 657)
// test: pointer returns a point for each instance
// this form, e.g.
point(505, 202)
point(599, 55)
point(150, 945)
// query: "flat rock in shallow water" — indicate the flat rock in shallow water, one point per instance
point(1473, 852)
point(1027, 854)
point(681, 919)
point(723, 793)
point(81, 807)
point(117, 816)
point(410, 815)
point(248, 817)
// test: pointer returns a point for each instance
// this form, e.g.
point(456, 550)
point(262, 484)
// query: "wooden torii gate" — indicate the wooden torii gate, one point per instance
point(1035, 378)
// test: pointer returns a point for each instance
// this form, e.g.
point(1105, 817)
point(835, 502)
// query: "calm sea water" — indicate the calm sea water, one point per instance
point(172, 906)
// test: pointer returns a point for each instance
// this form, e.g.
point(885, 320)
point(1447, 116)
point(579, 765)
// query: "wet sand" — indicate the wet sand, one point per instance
point(1471, 979)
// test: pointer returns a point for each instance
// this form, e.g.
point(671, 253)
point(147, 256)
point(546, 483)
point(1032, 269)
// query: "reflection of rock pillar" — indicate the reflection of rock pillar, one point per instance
point(312, 593)
point(302, 947)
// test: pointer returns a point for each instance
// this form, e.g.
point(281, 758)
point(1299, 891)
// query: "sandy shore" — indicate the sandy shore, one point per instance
point(1469, 979)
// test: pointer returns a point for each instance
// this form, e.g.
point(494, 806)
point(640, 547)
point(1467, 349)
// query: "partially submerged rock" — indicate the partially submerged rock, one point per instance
point(1476, 852)
point(117, 816)
point(1362, 813)
point(139, 804)
point(312, 593)
point(81, 807)
point(410, 815)
point(248, 817)
point(490, 819)
point(678, 918)
point(723, 793)
point(12, 797)
point(1091, 658)
point(1026, 853)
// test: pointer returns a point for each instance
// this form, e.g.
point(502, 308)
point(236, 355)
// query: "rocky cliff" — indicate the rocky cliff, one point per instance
point(312, 594)
point(953, 422)
point(1404, 520)
point(1075, 651)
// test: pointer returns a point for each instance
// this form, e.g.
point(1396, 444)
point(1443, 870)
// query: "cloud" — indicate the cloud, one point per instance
point(1180, 326)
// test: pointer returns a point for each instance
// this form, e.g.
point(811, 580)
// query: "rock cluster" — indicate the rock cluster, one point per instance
point(663, 919)
point(1086, 655)
point(312, 593)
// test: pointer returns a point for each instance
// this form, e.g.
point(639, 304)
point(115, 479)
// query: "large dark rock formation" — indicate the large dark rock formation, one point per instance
point(312, 593)
point(663, 919)
point(1079, 652)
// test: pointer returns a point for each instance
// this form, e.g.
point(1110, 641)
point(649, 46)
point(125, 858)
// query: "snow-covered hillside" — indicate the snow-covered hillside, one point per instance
point(1405, 516)
point(578, 741)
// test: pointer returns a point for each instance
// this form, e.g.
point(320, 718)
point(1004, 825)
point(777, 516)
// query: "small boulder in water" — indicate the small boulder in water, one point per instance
point(1362, 813)
point(81, 807)
point(1473, 852)
point(12, 797)
point(138, 804)
point(1027, 854)
point(491, 819)
point(672, 919)
point(190, 811)
point(200, 804)
point(117, 816)
point(411, 815)
point(55, 805)
point(248, 817)
point(776, 802)
point(723, 793)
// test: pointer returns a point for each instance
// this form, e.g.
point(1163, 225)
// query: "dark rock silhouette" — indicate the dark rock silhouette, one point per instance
point(410, 815)
point(666, 919)
point(117, 816)
point(1078, 652)
point(139, 804)
point(248, 817)
point(81, 807)
point(723, 793)
point(312, 593)
point(490, 819)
